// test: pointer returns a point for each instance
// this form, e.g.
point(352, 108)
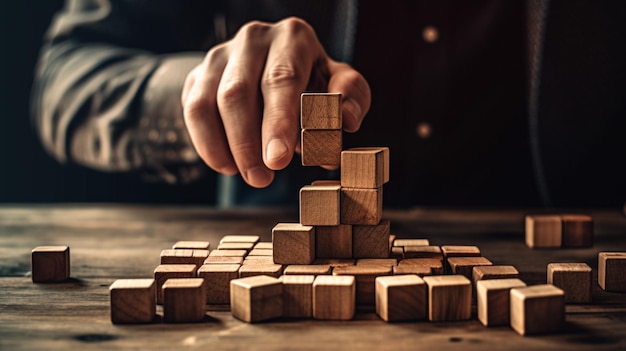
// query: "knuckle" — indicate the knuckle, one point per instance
point(216, 53)
point(233, 92)
point(253, 29)
point(280, 74)
point(195, 109)
point(296, 25)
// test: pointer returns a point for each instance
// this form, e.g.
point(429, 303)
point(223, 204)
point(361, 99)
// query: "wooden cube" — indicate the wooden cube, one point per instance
point(50, 264)
point(236, 246)
point(412, 242)
point(371, 241)
point(319, 205)
point(320, 111)
point(460, 251)
point(449, 297)
point(386, 162)
point(321, 147)
point(363, 168)
point(164, 272)
point(268, 269)
point(133, 301)
point(417, 270)
point(238, 238)
point(423, 252)
point(333, 241)
point(256, 298)
point(434, 264)
point(537, 309)
point(223, 260)
point(334, 297)
point(492, 300)
point(184, 256)
point(465, 265)
point(573, 278)
point(544, 231)
point(389, 262)
point(493, 272)
point(184, 300)
point(400, 298)
point(612, 271)
point(294, 243)
point(577, 231)
point(365, 277)
point(361, 206)
point(307, 269)
point(191, 245)
point(297, 296)
point(217, 279)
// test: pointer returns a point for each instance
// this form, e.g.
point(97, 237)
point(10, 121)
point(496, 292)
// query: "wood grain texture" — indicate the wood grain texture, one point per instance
point(258, 260)
point(333, 241)
point(411, 242)
point(612, 271)
point(132, 301)
point(334, 297)
point(223, 260)
point(256, 298)
point(544, 231)
point(320, 111)
point(361, 206)
point(400, 298)
point(192, 245)
point(494, 272)
point(335, 262)
point(573, 278)
point(255, 269)
point(294, 243)
point(386, 159)
point(184, 300)
point(371, 241)
point(493, 302)
point(217, 279)
point(465, 265)
point(537, 309)
point(164, 272)
point(308, 269)
point(321, 147)
point(297, 296)
point(239, 238)
point(434, 264)
point(261, 252)
point(577, 230)
point(263, 245)
point(50, 264)
point(320, 205)
point(449, 297)
point(363, 168)
point(365, 280)
point(390, 262)
point(423, 252)
point(184, 256)
point(228, 253)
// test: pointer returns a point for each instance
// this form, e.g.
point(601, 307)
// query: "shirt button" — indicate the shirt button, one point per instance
point(430, 34)
point(424, 130)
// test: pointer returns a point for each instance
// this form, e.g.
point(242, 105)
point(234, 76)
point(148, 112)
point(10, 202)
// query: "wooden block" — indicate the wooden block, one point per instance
point(408, 269)
point(50, 264)
point(577, 231)
point(361, 206)
point(397, 252)
point(236, 246)
point(386, 162)
point(223, 260)
point(333, 241)
point(363, 168)
point(320, 111)
point(423, 252)
point(228, 253)
point(435, 264)
point(307, 269)
point(164, 272)
point(191, 245)
point(371, 241)
point(389, 262)
point(492, 300)
point(493, 272)
point(612, 271)
point(133, 301)
point(465, 265)
point(263, 245)
point(321, 147)
point(184, 256)
point(365, 280)
point(412, 242)
point(573, 278)
point(257, 298)
point(449, 297)
point(294, 243)
point(238, 238)
point(261, 252)
point(537, 309)
point(258, 260)
point(184, 300)
point(297, 296)
point(319, 205)
point(544, 231)
point(334, 297)
point(271, 270)
point(326, 182)
point(400, 298)
point(217, 279)
point(335, 262)
point(458, 251)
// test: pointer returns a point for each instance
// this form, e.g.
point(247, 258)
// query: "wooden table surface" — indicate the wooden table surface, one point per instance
point(109, 242)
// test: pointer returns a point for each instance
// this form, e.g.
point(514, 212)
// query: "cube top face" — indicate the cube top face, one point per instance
point(399, 280)
point(569, 267)
point(446, 280)
point(297, 279)
point(460, 250)
point(491, 270)
point(537, 291)
point(132, 284)
point(430, 262)
point(321, 187)
point(255, 281)
point(469, 261)
point(292, 227)
point(50, 249)
point(334, 280)
point(413, 242)
point(363, 270)
point(307, 269)
point(199, 245)
point(261, 268)
point(215, 260)
point(236, 246)
point(612, 255)
point(234, 238)
point(219, 268)
point(320, 111)
point(181, 268)
point(228, 253)
point(183, 283)
point(499, 284)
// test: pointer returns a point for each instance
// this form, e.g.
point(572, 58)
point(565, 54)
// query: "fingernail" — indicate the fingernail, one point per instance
point(354, 113)
point(259, 176)
point(276, 149)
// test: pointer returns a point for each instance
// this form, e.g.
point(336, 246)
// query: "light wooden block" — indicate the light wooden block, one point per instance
point(577, 231)
point(365, 280)
point(133, 301)
point(217, 279)
point(321, 147)
point(400, 298)
point(269, 269)
point(371, 241)
point(228, 253)
point(573, 278)
point(223, 260)
point(320, 111)
point(259, 260)
point(326, 182)
point(435, 264)
point(423, 252)
point(261, 252)
point(307, 269)
point(239, 238)
point(412, 242)
point(294, 243)
point(184, 300)
point(465, 265)
point(184, 256)
point(612, 271)
point(397, 252)
point(493, 302)
point(493, 272)
point(389, 262)
point(191, 245)
point(458, 251)
point(408, 269)
point(363, 168)
point(50, 264)
point(544, 231)
point(164, 272)
point(263, 245)
point(335, 262)
point(256, 298)
point(334, 297)
point(449, 297)
point(297, 296)
point(537, 309)
point(236, 246)
point(319, 205)
point(386, 162)
point(361, 206)
point(333, 241)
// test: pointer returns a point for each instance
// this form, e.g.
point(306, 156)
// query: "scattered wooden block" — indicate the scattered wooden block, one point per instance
point(408, 269)
point(133, 301)
point(333, 241)
point(256, 298)
point(228, 253)
point(400, 298)
point(236, 246)
point(164, 272)
point(319, 205)
point(423, 252)
point(184, 300)
point(573, 278)
point(191, 245)
point(612, 271)
point(389, 262)
point(371, 241)
point(492, 300)
point(335, 262)
point(577, 231)
point(465, 265)
point(321, 147)
point(537, 309)
point(223, 260)
point(544, 231)
point(238, 238)
point(297, 296)
point(449, 297)
point(294, 243)
point(412, 242)
point(435, 264)
point(458, 251)
point(334, 297)
point(386, 160)
point(307, 269)
point(184, 256)
point(271, 270)
point(493, 272)
point(217, 279)
point(320, 111)
point(365, 280)
point(261, 252)
point(397, 252)
point(361, 206)
point(50, 264)
point(362, 168)
point(263, 245)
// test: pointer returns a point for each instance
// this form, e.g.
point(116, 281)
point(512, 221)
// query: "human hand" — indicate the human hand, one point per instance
point(241, 103)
